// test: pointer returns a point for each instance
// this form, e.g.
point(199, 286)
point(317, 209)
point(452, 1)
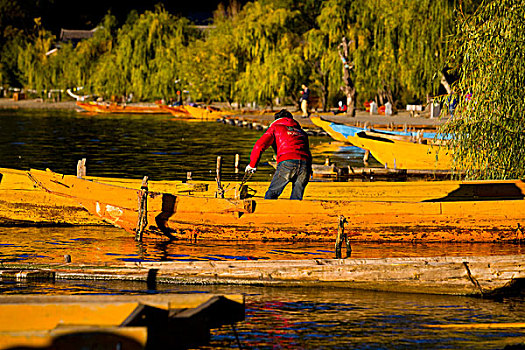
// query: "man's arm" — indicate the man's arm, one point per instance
point(266, 140)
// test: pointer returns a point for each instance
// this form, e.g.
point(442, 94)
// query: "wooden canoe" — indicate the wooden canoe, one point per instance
point(95, 107)
point(340, 132)
point(206, 113)
point(398, 154)
point(176, 111)
point(391, 150)
point(482, 217)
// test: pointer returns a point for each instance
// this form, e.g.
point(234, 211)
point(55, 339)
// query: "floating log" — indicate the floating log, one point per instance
point(474, 276)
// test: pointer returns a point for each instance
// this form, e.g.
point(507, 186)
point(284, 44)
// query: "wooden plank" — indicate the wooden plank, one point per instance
point(483, 275)
point(77, 337)
point(161, 301)
point(19, 275)
point(50, 315)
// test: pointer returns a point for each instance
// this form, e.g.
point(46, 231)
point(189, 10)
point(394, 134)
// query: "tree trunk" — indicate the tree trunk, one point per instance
point(348, 88)
point(445, 83)
point(324, 92)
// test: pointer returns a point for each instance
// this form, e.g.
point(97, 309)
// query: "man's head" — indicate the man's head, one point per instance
point(283, 113)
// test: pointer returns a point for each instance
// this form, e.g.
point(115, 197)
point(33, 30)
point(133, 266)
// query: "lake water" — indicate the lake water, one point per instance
point(276, 318)
point(133, 146)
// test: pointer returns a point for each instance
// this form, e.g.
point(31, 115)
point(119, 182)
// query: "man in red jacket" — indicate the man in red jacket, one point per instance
point(294, 160)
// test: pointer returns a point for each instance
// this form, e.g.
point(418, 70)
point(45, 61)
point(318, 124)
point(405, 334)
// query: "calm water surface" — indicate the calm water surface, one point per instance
point(277, 318)
point(134, 146)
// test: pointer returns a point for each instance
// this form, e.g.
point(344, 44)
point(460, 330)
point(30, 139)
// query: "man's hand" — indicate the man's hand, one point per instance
point(249, 169)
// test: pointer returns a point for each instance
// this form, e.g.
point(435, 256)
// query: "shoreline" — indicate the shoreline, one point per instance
point(401, 118)
point(37, 103)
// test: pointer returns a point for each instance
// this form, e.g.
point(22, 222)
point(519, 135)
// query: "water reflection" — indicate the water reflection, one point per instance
point(287, 318)
point(333, 318)
point(106, 244)
point(136, 145)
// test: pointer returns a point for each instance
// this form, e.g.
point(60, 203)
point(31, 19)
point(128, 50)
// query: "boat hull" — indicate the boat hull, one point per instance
point(176, 111)
point(205, 113)
point(95, 107)
point(440, 220)
point(395, 154)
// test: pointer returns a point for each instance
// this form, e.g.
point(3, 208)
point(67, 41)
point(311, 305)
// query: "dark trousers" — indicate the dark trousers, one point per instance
point(295, 171)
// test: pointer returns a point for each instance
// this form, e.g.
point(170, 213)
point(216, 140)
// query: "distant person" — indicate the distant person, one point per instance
point(342, 108)
point(452, 102)
point(305, 97)
point(294, 160)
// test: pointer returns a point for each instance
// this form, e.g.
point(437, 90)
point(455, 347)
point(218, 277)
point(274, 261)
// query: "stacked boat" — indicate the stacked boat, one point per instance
point(394, 149)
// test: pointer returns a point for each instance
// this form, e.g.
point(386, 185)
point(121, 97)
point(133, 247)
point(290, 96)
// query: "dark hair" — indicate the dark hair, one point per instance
point(283, 113)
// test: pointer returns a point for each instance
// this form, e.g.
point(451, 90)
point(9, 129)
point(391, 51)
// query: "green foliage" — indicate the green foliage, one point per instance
point(35, 66)
point(257, 53)
point(489, 119)
point(144, 59)
point(210, 65)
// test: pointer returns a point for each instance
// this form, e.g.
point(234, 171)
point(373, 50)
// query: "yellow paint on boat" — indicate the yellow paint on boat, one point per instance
point(396, 154)
point(476, 211)
point(205, 113)
point(49, 316)
point(77, 337)
point(325, 125)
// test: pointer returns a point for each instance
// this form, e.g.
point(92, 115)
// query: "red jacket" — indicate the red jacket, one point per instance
point(287, 139)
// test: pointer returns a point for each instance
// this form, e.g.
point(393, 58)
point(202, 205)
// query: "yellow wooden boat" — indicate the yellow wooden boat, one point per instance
point(475, 211)
point(206, 113)
point(114, 321)
point(176, 111)
point(95, 107)
point(393, 151)
point(398, 154)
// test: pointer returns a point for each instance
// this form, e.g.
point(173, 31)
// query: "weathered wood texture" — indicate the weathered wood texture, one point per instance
point(139, 322)
point(451, 218)
point(384, 211)
point(23, 203)
point(77, 337)
point(476, 276)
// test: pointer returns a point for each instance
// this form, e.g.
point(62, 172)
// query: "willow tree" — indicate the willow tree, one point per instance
point(321, 48)
point(212, 63)
point(266, 33)
point(143, 60)
point(82, 64)
point(488, 126)
point(403, 44)
point(33, 60)
point(13, 29)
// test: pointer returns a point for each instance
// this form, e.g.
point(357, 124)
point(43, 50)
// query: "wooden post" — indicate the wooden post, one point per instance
point(220, 190)
point(341, 235)
point(142, 219)
point(81, 168)
point(237, 159)
point(366, 156)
